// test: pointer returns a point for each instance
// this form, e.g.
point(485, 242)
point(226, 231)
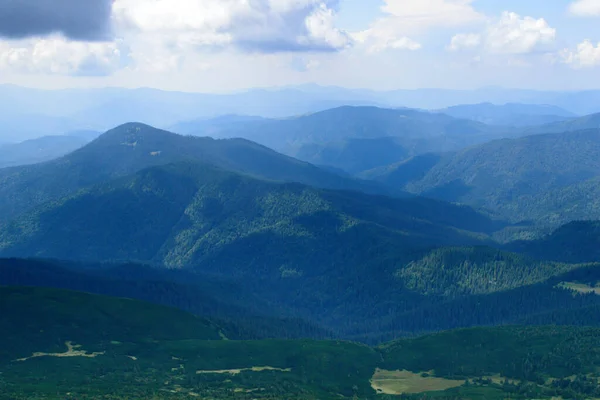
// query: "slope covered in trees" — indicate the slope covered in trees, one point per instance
point(543, 178)
point(576, 242)
point(132, 147)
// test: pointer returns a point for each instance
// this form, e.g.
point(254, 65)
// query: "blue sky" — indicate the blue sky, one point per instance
point(222, 45)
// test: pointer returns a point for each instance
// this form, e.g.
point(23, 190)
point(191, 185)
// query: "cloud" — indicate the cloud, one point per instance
point(511, 34)
point(407, 18)
point(301, 64)
point(264, 26)
point(57, 55)
point(516, 35)
point(464, 41)
point(585, 55)
point(88, 20)
point(585, 8)
point(403, 43)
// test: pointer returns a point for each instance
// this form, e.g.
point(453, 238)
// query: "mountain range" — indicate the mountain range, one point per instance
point(133, 147)
point(146, 264)
point(28, 113)
point(343, 261)
point(353, 139)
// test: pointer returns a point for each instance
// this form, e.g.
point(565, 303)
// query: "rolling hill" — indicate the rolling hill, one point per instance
point(133, 147)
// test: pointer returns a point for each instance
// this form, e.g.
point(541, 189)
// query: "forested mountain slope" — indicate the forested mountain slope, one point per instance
point(575, 242)
point(545, 178)
point(133, 147)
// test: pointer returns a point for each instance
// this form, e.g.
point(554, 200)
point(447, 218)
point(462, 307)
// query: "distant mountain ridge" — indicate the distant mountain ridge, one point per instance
point(353, 138)
point(511, 114)
point(39, 150)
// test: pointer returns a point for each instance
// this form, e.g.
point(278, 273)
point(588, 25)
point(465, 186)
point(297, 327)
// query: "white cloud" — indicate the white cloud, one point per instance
point(585, 8)
point(465, 41)
point(375, 45)
point(511, 34)
point(407, 18)
point(57, 55)
point(268, 26)
point(516, 35)
point(586, 55)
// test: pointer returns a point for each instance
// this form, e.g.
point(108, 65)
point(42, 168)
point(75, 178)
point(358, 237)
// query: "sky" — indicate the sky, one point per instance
point(226, 45)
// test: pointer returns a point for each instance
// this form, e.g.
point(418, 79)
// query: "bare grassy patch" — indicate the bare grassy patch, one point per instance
point(579, 287)
point(239, 371)
point(72, 351)
point(401, 382)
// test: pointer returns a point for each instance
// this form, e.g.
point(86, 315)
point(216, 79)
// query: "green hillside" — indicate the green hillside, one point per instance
point(475, 270)
point(132, 147)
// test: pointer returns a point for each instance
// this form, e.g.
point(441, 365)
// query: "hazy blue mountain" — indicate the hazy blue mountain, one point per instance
point(404, 172)
point(84, 134)
point(355, 139)
point(355, 155)
point(132, 147)
point(38, 150)
point(18, 127)
point(511, 114)
point(212, 126)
